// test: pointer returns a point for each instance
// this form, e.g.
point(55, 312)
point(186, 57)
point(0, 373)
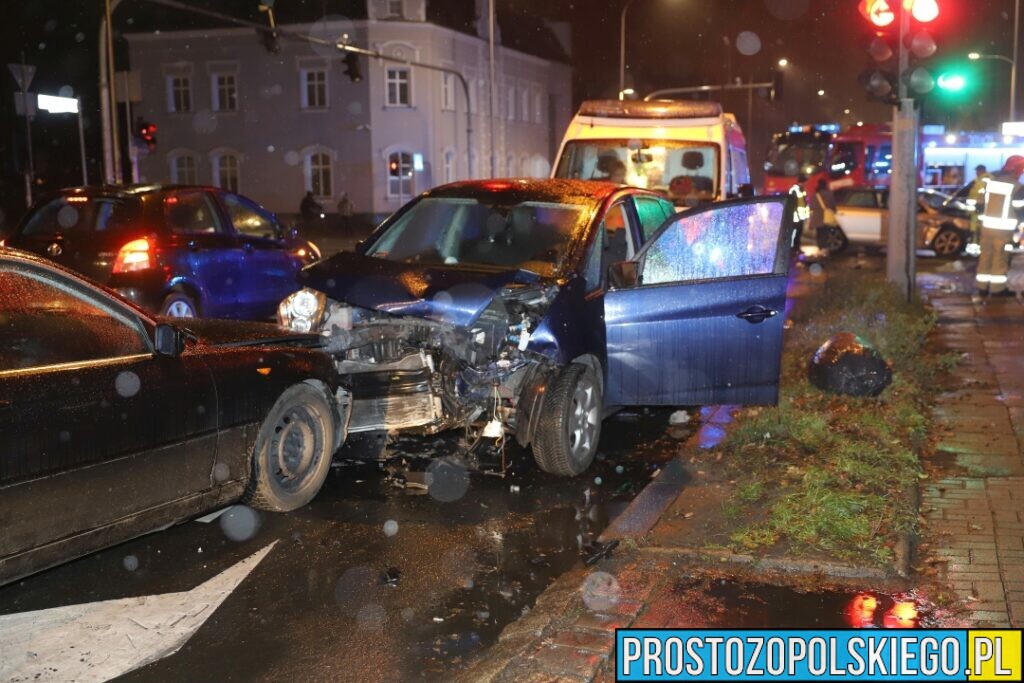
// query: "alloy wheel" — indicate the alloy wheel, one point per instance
point(180, 309)
point(947, 243)
point(584, 420)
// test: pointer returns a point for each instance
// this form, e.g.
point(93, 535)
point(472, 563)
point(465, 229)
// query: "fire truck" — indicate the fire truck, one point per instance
point(858, 156)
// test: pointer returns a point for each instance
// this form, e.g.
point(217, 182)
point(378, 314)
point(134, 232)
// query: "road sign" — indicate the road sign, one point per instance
point(23, 75)
point(19, 104)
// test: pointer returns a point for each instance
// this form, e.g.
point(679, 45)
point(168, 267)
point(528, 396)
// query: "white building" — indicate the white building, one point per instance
point(231, 113)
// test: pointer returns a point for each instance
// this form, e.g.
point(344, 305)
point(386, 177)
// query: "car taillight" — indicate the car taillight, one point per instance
point(133, 256)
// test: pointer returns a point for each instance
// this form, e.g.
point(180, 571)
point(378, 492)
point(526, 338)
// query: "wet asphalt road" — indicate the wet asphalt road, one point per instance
point(373, 580)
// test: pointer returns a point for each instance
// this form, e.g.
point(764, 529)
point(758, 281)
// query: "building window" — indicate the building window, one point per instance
point(183, 170)
point(395, 8)
point(400, 175)
point(318, 174)
point(524, 105)
point(398, 87)
point(524, 166)
point(510, 165)
point(449, 166)
point(448, 92)
point(225, 172)
point(538, 108)
point(314, 88)
point(225, 92)
point(179, 94)
point(510, 104)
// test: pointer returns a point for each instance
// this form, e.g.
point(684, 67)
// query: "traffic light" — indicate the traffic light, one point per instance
point(147, 134)
point(952, 81)
point(881, 80)
point(352, 68)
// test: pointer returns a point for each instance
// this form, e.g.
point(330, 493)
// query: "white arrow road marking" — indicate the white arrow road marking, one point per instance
point(98, 641)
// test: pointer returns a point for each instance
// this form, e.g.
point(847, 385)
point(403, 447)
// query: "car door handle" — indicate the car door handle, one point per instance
point(757, 314)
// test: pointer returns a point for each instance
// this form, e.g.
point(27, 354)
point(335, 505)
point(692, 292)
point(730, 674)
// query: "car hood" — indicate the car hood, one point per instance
point(210, 332)
point(455, 294)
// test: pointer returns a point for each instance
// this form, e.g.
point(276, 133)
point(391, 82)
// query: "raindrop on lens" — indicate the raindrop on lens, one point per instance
point(600, 591)
point(448, 481)
point(127, 384)
point(65, 436)
point(619, 469)
point(204, 121)
point(240, 523)
point(815, 269)
point(354, 589)
point(371, 617)
point(67, 217)
point(79, 37)
point(390, 528)
point(130, 562)
point(66, 91)
point(748, 43)
point(221, 472)
point(598, 481)
point(291, 157)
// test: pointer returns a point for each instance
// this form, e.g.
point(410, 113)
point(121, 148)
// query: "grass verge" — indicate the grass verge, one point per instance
point(826, 476)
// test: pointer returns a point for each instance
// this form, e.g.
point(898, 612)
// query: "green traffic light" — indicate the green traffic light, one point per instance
point(952, 82)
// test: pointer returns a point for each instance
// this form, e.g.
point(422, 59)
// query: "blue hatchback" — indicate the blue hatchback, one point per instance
point(532, 309)
point(180, 251)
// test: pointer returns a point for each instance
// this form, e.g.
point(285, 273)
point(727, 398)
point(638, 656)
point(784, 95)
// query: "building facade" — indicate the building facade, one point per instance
point(232, 113)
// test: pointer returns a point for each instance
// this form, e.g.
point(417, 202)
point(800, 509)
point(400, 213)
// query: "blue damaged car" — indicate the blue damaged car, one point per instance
point(532, 309)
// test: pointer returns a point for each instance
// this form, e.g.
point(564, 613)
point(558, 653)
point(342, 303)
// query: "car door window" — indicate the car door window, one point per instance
point(79, 214)
point(248, 218)
point(652, 212)
point(721, 241)
point(192, 213)
point(48, 320)
point(861, 199)
point(616, 223)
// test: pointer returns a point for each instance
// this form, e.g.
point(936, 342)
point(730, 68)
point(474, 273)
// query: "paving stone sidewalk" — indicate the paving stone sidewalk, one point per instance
point(973, 508)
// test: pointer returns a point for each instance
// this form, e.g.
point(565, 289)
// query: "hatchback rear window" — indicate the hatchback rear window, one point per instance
point(69, 215)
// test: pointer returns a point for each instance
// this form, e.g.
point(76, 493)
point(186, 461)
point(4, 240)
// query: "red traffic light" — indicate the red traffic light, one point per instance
point(878, 12)
point(923, 11)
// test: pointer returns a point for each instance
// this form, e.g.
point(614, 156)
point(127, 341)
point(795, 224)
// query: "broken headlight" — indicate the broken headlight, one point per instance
point(302, 311)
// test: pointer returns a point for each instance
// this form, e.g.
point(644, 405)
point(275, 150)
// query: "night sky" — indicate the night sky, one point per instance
point(670, 43)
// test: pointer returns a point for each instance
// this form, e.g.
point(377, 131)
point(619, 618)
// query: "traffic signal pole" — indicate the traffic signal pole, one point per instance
point(902, 239)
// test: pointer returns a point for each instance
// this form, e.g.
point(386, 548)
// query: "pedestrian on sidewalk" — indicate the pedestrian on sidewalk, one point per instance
point(823, 209)
point(310, 210)
point(1004, 195)
point(345, 213)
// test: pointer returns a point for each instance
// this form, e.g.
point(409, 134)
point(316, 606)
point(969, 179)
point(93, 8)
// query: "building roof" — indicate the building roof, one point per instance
point(518, 30)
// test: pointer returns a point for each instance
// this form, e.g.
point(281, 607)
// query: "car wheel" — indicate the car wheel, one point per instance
point(948, 242)
point(832, 238)
point(570, 423)
point(293, 451)
point(179, 306)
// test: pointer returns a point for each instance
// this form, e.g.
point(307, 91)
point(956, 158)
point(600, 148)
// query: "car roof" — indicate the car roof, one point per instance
point(126, 191)
point(543, 189)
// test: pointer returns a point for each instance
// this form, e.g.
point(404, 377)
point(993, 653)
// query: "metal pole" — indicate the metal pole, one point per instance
point(115, 137)
point(108, 148)
point(902, 242)
point(81, 144)
point(1013, 66)
point(622, 49)
point(750, 112)
point(31, 168)
point(493, 109)
point(133, 157)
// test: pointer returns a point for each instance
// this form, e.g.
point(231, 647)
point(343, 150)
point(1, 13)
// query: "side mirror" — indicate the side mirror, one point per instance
point(623, 275)
point(169, 340)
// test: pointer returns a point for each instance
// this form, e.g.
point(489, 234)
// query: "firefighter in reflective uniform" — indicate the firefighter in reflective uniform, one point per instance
point(803, 211)
point(975, 199)
point(1004, 196)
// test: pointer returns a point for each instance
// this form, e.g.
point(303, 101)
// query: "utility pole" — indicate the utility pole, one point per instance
point(492, 92)
point(900, 263)
point(24, 81)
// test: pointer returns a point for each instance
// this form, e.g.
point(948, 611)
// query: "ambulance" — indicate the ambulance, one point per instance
point(691, 152)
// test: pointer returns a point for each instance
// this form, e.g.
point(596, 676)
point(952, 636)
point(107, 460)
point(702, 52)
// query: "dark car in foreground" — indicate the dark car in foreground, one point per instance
point(532, 309)
point(175, 250)
point(115, 424)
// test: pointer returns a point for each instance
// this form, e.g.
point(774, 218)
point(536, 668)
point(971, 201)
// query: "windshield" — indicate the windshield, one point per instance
point(685, 172)
point(791, 158)
point(529, 235)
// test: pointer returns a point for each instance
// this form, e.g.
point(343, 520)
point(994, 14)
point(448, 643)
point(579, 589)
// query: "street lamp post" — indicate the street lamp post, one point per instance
point(622, 49)
point(1013, 76)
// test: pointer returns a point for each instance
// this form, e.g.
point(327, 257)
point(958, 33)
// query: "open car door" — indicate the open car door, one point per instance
point(696, 317)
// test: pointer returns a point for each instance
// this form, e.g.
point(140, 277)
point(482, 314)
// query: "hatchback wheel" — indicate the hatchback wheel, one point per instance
point(293, 451)
point(179, 306)
point(948, 242)
point(570, 424)
point(831, 238)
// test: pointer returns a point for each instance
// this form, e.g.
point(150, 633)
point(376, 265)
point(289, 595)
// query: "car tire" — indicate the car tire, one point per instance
point(178, 305)
point(292, 455)
point(948, 242)
point(570, 422)
point(832, 239)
